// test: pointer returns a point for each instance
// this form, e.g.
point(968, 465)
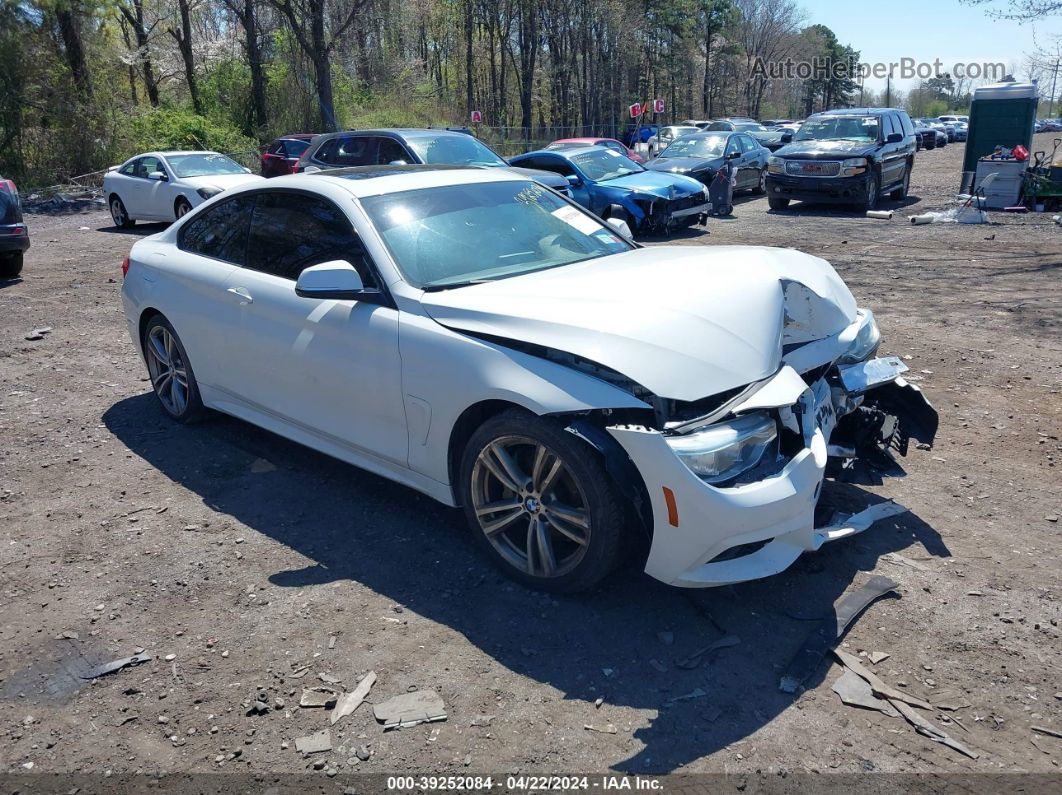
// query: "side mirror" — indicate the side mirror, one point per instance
point(620, 226)
point(787, 137)
point(574, 181)
point(894, 138)
point(159, 176)
point(336, 280)
point(733, 155)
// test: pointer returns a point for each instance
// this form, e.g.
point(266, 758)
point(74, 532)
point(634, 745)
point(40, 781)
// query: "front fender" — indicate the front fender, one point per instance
point(478, 370)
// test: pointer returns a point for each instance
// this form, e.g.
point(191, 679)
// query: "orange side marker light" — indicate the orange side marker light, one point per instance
point(672, 508)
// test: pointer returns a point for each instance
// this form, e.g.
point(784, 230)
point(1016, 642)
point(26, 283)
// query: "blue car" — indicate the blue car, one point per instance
point(613, 186)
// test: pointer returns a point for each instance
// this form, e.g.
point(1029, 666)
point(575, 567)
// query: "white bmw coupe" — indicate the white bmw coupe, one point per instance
point(163, 186)
point(484, 340)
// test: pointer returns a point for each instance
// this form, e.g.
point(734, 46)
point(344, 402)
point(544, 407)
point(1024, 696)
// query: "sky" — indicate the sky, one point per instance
point(929, 29)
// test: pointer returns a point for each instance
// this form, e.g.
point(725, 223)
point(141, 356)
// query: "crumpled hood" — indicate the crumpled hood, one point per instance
point(684, 322)
point(655, 183)
point(684, 165)
point(827, 149)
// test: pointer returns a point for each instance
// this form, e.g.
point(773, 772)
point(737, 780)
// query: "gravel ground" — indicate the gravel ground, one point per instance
point(239, 560)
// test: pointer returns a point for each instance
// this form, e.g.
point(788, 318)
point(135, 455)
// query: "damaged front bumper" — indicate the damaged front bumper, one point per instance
point(707, 535)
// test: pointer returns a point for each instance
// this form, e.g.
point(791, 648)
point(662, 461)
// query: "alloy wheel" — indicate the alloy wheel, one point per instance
point(183, 208)
point(762, 188)
point(168, 371)
point(530, 507)
point(117, 212)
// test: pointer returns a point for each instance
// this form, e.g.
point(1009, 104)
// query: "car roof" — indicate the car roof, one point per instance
point(408, 132)
point(568, 151)
point(581, 140)
point(364, 181)
point(859, 111)
point(296, 137)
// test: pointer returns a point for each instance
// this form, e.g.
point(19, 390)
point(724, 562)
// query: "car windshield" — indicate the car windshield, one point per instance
point(457, 235)
point(601, 165)
point(675, 132)
point(750, 128)
point(456, 149)
point(203, 165)
point(708, 146)
point(849, 128)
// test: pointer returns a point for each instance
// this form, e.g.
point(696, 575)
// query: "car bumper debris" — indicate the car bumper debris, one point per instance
point(758, 522)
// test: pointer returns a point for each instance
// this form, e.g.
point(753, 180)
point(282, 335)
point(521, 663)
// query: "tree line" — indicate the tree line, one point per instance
point(85, 83)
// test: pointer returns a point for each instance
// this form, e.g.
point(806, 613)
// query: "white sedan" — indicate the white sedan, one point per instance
point(163, 186)
point(482, 339)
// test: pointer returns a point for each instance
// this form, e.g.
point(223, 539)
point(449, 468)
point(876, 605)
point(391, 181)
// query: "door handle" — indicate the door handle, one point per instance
point(242, 294)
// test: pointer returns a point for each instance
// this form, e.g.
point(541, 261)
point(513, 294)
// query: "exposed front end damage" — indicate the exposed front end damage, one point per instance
point(758, 521)
point(750, 370)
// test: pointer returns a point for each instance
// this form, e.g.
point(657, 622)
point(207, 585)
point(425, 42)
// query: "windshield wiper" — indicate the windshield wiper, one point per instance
point(434, 288)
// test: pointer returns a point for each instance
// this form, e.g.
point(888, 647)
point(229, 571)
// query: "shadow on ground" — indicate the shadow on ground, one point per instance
point(360, 527)
point(142, 229)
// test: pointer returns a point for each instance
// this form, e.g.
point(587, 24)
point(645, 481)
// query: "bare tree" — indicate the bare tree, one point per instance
point(309, 24)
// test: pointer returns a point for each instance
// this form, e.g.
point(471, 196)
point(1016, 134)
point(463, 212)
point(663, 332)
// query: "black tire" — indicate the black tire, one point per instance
point(870, 200)
point(761, 186)
point(181, 208)
point(119, 214)
point(776, 203)
point(189, 407)
point(10, 265)
point(901, 192)
point(581, 479)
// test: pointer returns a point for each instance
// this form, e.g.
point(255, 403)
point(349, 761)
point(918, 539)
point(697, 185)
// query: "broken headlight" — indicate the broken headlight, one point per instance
point(719, 452)
point(866, 341)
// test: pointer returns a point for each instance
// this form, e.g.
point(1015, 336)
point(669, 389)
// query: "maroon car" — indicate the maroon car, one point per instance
point(282, 155)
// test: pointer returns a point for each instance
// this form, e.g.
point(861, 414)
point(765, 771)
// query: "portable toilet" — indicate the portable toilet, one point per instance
point(1001, 114)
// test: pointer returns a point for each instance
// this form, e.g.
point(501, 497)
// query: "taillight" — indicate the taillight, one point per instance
point(9, 184)
point(125, 267)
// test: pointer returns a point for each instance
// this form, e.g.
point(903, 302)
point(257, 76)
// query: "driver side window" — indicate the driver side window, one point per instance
point(292, 231)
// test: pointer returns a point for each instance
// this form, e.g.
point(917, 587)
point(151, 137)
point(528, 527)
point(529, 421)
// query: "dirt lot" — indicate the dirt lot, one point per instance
point(235, 557)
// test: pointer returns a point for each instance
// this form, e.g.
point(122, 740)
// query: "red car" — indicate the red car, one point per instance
point(282, 155)
point(611, 143)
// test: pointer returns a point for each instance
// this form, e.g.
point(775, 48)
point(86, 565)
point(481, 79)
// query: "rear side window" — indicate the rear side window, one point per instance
point(294, 147)
point(905, 122)
point(220, 232)
point(129, 169)
point(353, 151)
point(292, 231)
point(10, 211)
point(390, 151)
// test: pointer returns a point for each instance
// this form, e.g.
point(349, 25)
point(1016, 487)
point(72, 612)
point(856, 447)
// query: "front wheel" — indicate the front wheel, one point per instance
point(540, 502)
point(870, 198)
point(777, 204)
point(171, 372)
point(181, 208)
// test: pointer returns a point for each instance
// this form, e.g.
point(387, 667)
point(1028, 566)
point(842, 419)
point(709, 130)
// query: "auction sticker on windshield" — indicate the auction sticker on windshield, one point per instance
point(576, 219)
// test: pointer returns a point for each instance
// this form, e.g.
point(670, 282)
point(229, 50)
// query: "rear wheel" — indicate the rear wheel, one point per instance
point(119, 214)
point(171, 372)
point(761, 186)
point(10, 265)
point(776, 203)
point(539, 501)
point(901, 192)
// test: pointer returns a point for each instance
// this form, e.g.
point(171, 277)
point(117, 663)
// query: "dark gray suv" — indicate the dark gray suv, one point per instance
point(14, 236)
point(849, 156)
point(411, 147)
